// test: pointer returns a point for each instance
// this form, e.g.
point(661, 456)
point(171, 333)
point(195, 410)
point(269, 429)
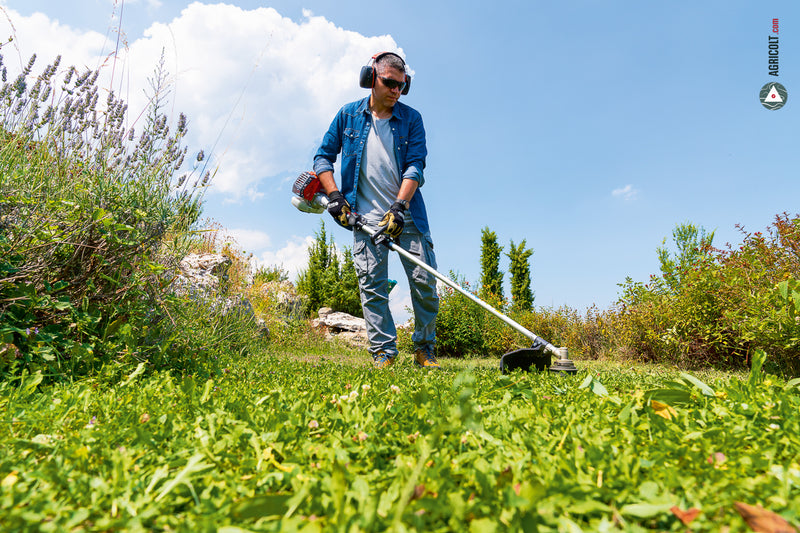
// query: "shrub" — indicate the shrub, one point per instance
point(693, 248)
point(720, 306)
point(708, 308)
point(266, 274)
point(498, 337)
point(757, 296)
point(86, 208)
point(463, 328)
point(459, 324)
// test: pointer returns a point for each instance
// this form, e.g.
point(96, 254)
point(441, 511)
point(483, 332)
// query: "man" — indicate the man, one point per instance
point(382, 142)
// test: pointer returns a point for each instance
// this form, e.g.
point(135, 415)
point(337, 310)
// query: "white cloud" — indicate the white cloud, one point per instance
point(293, 257)
point(248, 239)
point(151, 4)
point(626, 193)
point(399, 303)
point(258, 88)
point(47, 39)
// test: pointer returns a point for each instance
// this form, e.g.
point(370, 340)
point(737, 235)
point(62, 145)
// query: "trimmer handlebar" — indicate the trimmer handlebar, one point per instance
point(377, 236)
point(319, 202)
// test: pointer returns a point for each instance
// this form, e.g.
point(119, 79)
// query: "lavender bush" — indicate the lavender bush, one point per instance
point(92, 216)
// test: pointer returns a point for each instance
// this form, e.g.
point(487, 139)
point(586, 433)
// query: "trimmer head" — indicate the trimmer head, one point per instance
point(563, 364)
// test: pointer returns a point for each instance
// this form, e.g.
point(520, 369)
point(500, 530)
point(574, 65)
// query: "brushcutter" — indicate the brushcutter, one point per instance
point(310, 198)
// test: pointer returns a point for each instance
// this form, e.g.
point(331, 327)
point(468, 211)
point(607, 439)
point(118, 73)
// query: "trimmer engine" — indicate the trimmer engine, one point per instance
point(308, 194)
point(307, 185)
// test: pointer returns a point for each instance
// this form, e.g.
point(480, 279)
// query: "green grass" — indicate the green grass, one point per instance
point(316, 440)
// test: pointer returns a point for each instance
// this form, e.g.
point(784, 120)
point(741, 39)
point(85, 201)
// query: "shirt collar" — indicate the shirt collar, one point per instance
point(397, 110)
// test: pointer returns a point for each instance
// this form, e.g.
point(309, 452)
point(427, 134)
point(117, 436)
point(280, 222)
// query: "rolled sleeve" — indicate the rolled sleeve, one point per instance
point(322, 164)
point(330, 147)
point(414, 173)
point(417, 150)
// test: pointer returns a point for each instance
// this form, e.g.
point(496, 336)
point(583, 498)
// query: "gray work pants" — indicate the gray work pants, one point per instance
point(372, 266)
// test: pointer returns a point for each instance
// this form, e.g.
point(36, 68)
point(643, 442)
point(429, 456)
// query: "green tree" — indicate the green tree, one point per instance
point(344, 294)
point(491, 276)
point(521, 293)
point(693, 244)
point(311, 281)
point(327, 281)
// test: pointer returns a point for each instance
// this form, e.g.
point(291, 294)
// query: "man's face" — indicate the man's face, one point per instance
point(383, 94)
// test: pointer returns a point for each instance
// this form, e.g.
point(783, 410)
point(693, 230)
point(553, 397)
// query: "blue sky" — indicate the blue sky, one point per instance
point(589, 129)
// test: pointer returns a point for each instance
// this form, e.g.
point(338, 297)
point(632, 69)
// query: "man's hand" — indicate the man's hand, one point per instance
point(339, 208)
point(394, 220)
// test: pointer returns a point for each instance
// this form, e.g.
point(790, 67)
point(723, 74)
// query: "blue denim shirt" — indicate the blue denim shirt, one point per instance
point(348, 135)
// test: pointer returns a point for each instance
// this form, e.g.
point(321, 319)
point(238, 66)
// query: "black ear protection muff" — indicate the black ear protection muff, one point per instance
point(369, 73)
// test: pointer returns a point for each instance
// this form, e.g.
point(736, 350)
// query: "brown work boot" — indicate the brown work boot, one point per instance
point(423, 356)
point(382, 360)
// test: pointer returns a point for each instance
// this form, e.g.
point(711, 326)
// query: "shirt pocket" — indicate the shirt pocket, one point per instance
point(402, 144)
point(351, 141)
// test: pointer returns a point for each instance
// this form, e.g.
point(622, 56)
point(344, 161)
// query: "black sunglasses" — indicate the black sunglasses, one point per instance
point(392, 84)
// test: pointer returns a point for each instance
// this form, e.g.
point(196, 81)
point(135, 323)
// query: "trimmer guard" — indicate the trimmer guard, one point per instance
point(526, 359)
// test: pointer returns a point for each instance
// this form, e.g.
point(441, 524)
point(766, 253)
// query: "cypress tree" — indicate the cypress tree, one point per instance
point(311, 281)
point(491, 276)
point(521, 293)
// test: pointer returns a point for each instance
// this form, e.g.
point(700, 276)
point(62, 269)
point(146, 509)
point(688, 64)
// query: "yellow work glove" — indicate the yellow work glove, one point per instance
point(339, 208)
point(394, 220)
